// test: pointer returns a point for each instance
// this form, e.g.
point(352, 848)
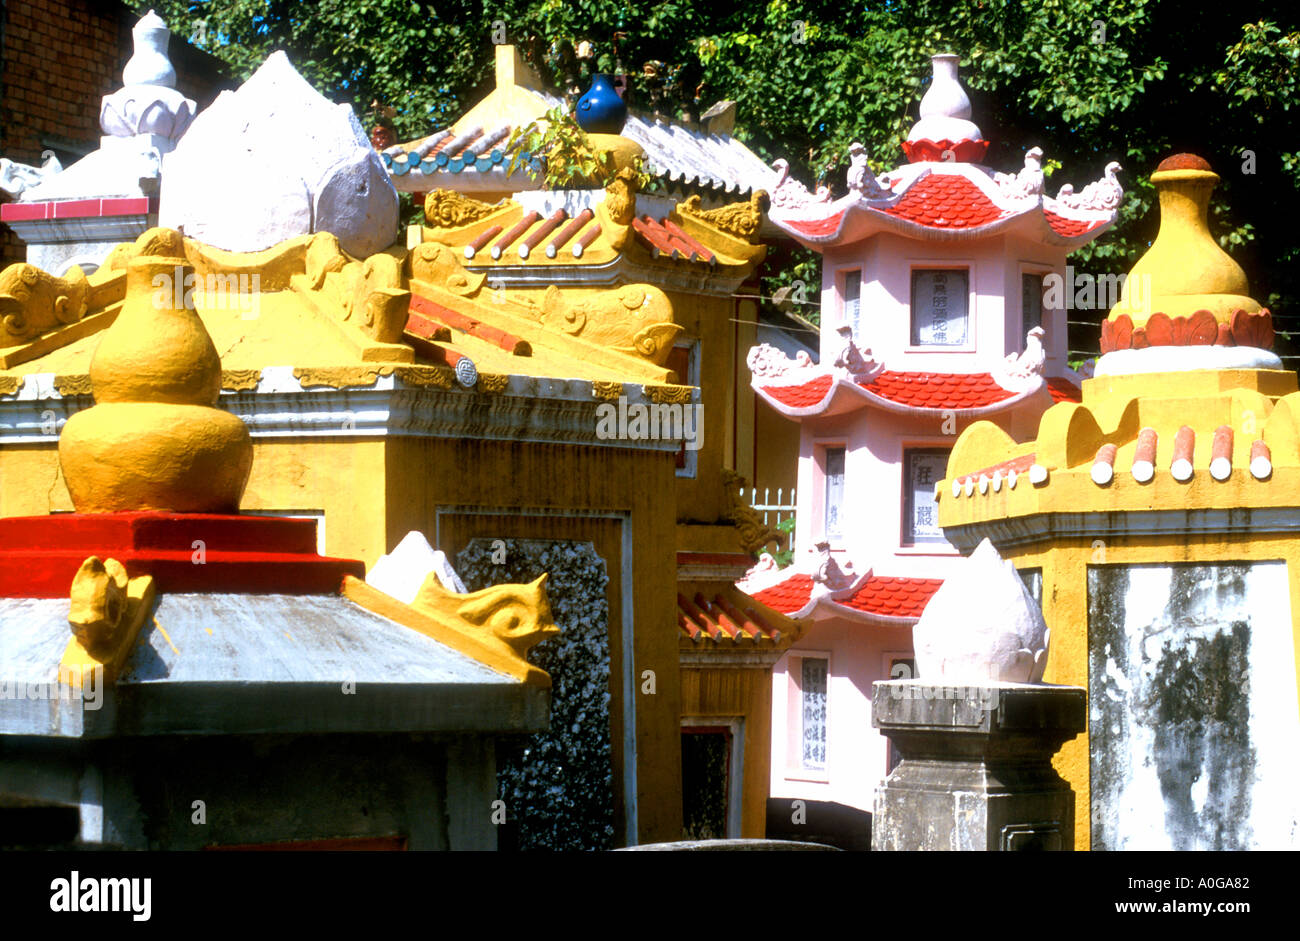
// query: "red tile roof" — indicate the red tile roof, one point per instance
point(425, 317)
point(815, 227)
point(1063, 390)
point(947, 201)
point(911, 389)
point(665, 238)
point(937, 390)
point(801, 396)
point(787, 596)
point(1070, 227)
point(719, 619)
point(893, 597)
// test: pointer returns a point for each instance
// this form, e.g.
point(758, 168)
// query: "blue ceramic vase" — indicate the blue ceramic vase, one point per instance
point(601, 110)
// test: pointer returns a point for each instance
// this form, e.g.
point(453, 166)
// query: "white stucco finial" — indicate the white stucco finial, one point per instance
point(148, 103)
point(945, 107)
point(149, 64)
point(982, 626)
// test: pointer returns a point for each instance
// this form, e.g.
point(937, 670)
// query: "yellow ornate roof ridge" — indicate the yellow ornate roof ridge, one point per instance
point(507, 233)
point(584, 332)
point(1170, 441)
point(442, 620)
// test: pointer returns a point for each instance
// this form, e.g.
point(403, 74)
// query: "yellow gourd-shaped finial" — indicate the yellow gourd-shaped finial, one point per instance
point(1184, 270)
point(154, 439)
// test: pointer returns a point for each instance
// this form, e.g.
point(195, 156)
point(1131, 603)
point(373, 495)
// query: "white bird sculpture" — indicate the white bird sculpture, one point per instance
point(1033, 359)
point(1029, 181)
point(861, 180)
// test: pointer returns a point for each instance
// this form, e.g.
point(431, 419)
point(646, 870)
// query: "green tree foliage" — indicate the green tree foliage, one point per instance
point(566, 155)
point(1087, 80)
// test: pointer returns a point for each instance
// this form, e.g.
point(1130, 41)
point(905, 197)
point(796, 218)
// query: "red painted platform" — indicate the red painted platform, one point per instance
point(39, 555)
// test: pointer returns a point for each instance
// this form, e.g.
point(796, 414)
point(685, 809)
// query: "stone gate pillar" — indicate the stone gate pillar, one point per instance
point(976, 770)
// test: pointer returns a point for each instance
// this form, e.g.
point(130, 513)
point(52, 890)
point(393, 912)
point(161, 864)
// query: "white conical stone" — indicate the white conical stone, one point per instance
point(981, 626)
point(273, 160)
point(402, 572)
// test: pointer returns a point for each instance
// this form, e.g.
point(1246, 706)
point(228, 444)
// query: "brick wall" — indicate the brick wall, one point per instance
point(60, 57)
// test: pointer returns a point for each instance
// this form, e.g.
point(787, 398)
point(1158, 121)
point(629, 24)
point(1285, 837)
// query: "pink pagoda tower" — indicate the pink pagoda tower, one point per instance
point(938, 310)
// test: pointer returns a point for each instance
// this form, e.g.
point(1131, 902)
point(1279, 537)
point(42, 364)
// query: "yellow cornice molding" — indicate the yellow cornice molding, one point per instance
point(240, 380)
point(78, 384)
point(668, 394)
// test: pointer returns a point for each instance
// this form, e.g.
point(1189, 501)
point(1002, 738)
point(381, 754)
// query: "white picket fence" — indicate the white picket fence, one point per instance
point(773, 512)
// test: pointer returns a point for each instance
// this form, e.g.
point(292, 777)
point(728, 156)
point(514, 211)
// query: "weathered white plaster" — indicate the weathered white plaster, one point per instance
point(273, 160)
point(1174, 779)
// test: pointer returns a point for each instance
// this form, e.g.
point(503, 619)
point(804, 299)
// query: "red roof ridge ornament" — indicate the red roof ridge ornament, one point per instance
point(945, 131)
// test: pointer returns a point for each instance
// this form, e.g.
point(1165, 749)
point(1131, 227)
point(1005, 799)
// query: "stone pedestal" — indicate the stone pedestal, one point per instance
point(976, 772)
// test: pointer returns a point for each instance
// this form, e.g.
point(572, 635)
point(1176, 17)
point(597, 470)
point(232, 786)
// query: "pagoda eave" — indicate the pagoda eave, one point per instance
point(842, 396)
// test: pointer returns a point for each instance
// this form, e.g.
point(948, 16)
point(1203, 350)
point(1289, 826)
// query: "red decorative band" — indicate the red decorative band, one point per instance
point(1200, 329)
point(945, 151)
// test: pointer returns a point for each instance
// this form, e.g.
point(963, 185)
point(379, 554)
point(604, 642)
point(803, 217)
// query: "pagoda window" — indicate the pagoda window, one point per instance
point(833, 494)
point(1033, 579)
point(684, 360)
point(813, 682)
point(851, 292)
point(940, 307)
point(1031, 302)
point(922, 469)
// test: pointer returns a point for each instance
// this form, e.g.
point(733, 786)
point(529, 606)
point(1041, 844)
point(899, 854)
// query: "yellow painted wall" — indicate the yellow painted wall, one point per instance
point(423, 475)
point(708, 319)
point(776, 451)
point(727, 693)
